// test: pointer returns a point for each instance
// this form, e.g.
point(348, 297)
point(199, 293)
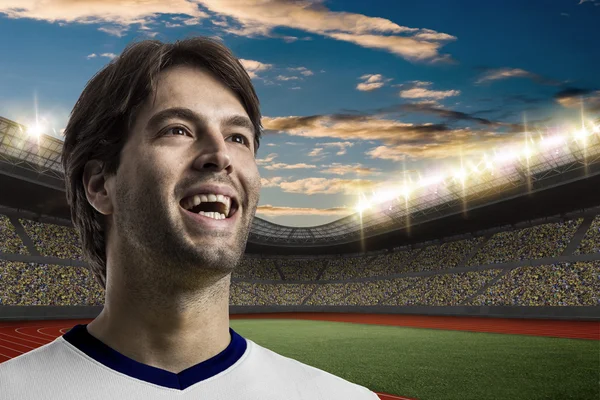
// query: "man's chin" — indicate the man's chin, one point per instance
point(220, 257)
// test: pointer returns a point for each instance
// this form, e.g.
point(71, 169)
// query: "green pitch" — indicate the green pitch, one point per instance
point(434, 364)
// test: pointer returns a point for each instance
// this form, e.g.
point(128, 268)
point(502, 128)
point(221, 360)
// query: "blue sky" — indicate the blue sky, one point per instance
point(353, 93)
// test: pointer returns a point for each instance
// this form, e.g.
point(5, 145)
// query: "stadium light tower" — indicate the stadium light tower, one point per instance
point(36, 130)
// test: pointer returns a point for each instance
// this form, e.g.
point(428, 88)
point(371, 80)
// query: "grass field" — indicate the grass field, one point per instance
point(431, 364)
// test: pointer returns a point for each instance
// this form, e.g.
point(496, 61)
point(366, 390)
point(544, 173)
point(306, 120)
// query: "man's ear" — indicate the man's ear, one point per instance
point(95, 186)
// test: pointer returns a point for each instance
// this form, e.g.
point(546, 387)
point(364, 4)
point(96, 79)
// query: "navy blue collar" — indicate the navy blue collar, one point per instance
point(79, 337)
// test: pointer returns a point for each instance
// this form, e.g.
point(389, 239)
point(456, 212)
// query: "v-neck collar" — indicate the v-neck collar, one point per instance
point(79, 337)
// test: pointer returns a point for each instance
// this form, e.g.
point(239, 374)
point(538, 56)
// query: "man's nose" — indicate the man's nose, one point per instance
point(213, 153)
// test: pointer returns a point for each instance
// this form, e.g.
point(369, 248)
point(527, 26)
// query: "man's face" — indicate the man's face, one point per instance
point(185, 141)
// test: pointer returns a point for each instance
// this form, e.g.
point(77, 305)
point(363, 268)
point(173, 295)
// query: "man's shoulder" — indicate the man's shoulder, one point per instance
point(32, 359)
point(40, 365)
point(299, 373)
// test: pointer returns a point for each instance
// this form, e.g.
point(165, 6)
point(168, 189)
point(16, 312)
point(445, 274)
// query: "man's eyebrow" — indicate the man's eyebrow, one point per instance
point(240, 121)
point(185, 113)
point(176, 112)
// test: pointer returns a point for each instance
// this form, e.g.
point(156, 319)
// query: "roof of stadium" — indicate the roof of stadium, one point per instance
point(541, 178)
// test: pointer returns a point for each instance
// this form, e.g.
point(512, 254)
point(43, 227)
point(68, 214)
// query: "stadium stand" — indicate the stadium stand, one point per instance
point(9, 240)
point(445, 256)
point(256, 268)
point(548, 285)
point(42, 284)
point(547, 240)
point(429, 274)
point(591, 241)
point(53, 240)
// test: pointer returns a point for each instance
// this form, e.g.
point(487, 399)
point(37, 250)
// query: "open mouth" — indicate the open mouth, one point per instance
point(210, 205)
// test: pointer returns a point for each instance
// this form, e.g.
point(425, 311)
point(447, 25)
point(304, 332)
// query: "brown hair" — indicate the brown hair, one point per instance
point(106, 110)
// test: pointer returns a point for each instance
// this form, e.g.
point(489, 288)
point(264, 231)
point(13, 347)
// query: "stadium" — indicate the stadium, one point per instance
point(482, 284)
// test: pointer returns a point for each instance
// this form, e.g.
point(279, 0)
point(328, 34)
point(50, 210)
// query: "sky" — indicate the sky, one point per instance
point(356, 96)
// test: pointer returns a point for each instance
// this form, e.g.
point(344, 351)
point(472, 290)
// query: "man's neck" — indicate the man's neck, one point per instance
point(172, 333)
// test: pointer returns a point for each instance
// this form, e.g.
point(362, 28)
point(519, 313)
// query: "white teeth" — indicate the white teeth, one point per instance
point(195, 200)
point(214, 215)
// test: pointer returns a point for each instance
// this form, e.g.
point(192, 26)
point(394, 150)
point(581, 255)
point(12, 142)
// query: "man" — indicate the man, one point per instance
point(161, 177)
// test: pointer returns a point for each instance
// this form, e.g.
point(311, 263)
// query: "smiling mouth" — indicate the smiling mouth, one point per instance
point(209, 205)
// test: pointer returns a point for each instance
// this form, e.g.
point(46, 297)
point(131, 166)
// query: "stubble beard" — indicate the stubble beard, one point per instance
point(159, 248)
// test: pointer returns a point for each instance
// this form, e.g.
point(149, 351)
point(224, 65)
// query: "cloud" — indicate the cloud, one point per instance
point(275, 211)
point(450, 115)
point(348, 127)
point(259, 18)
point(576, 97)
point(271, 182)
point(464, 144)
point(119, 15)
point(118, 31)
point(253, 67)
point(342, 169)
point(291, 39)
point(268, 158)
point(287, 78)
point(418, 93)
point(249, 18)
point(194, 21)
point(316, 152)
point(371, 82)
point(408, 48)
point(399, 139)
point(106, 55)
point(278, 166)
point(150, 34)
point(303, 70)
point(412, 84)
point(311, 186)
point(494, 74)
point(428, 34)
point(564, 15)
point(341, 145)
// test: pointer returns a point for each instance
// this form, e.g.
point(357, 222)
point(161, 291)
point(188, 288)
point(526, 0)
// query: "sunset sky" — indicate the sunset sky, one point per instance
point(354, 94)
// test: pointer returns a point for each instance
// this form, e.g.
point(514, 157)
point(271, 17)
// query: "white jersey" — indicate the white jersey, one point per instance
point(78, 366)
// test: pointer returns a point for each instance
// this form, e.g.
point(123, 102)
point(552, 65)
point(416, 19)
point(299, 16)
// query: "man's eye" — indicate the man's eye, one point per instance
point(177, 131)
point(244, 140)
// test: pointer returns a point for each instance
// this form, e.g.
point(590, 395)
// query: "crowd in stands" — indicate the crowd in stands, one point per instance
point(443, 289)
point(541, 241)
point(391, 263)
point(53, 240)
point(591, 241)
point(256, 268)
point(9, 239)
point(445, 256)
point(377, 280)
point(341, 268)
point(48, 285)
point(564, 284)
point(300, 270)
point(549, 285)
point(265, 294)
